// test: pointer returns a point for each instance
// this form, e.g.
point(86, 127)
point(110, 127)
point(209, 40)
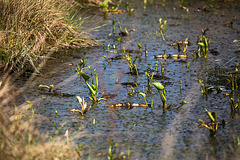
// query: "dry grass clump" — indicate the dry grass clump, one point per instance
point(94, 3)
point(29, 28)
point(19, 140)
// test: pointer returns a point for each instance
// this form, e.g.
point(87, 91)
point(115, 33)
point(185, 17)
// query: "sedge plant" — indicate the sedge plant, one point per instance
point(161, 90)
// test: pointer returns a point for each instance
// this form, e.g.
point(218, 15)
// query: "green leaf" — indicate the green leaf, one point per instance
point(105, 3)
point(201, 121)
point(94, 87)
point(147, 74)
point(201, 44)
point(84, 75)
point(97, 81)
point(143, 94)
point(158, 85)
point(135, 59)
point(211, 116)
point(93, 92)
point(139, 45)
point(183, 102)
point(163, 97)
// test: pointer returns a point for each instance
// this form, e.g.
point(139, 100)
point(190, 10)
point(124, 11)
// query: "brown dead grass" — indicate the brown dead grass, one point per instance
point(31, 28)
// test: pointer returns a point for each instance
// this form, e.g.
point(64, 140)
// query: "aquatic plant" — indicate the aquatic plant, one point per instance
point(108, 48)
point(185, 46)
point(162, 27)
point(163, 3)
point(150, 80)
point(181, 3)
point(188, 14)
point(93, 88)
point(162, 92)
point(104, 6)
point(156, 66)
point(82, 74)
point(83, 104)
point(82, 61)
point(30, 107)
point(144, 96)
point(118, 40)
point(234, 102)
point(213, 126)
point(128, 8)
point(125, 32)
point(114, 153)
point(203, 46)
point(145, 5)
point(140, 47)
point(203, 87)
point(113, 23)
point(181, 104)
point(162, 68)
point(205, 90)
point(50, 87)
point(132, 90)
point(132, 65)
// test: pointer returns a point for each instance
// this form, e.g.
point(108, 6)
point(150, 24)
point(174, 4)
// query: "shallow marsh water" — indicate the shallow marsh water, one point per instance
point(148, 135)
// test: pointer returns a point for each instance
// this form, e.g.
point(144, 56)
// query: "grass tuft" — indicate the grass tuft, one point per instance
point(31, 28)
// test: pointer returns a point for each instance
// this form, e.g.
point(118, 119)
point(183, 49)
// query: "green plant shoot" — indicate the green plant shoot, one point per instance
point(162, 92)
point(203, 46)
point(144, 96)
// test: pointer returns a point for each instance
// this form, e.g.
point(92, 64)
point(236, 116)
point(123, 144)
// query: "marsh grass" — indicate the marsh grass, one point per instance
point(30, 28)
